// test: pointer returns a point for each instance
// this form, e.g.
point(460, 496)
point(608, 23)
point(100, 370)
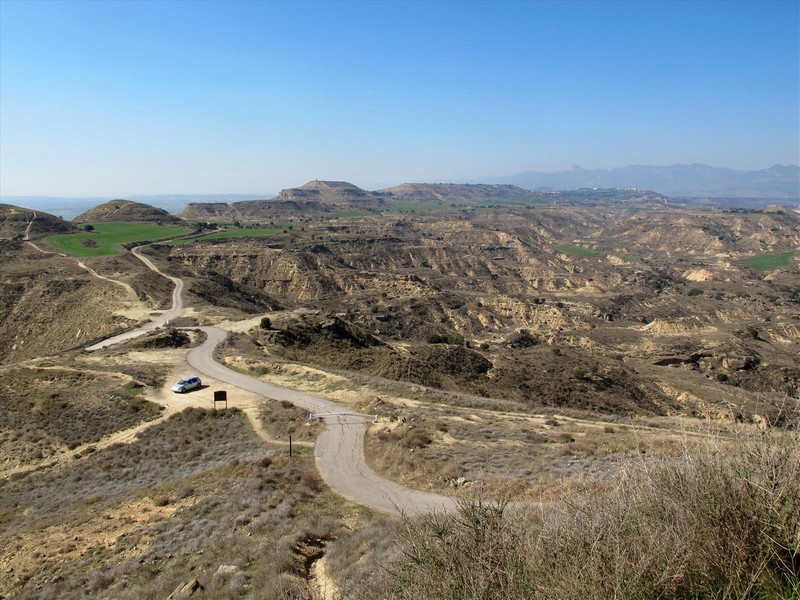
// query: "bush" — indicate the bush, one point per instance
point(266, 323)
point(713, 525)
point(694, 292)
point(451, 338)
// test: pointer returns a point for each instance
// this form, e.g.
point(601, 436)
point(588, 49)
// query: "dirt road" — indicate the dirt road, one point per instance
point(174, 312)
point(339, 451)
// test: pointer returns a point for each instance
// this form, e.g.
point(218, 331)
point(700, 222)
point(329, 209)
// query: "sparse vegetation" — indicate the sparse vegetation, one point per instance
point(511, 365)
point(710, 525)
point(193, 493)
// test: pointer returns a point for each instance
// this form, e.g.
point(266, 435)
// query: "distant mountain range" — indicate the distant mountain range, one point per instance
point(689, 181)
point(702, 184)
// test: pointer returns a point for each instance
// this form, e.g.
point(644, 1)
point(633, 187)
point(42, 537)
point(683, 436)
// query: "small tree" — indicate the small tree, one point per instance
point(88, 227)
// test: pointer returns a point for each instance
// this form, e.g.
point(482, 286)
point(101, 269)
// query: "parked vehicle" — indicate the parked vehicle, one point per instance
point(186, 384)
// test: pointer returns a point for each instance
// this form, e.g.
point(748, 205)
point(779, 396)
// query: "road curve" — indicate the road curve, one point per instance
point(339, 451)
point(174, 312)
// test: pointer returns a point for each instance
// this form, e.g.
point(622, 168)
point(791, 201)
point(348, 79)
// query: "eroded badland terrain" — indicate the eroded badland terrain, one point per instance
point(525, 349)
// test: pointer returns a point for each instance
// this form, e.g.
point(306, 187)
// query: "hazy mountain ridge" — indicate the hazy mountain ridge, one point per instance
point(696, 180)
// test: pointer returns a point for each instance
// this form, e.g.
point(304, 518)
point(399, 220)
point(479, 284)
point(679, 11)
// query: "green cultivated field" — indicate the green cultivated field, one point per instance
point(576, 250)
point(109, 237)
point(418, 207)
point(767, 262)
point(234, 233)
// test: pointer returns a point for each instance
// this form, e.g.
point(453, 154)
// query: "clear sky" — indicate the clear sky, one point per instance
point(121, 98)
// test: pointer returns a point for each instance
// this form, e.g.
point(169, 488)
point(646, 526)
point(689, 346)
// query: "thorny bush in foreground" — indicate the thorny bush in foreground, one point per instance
point(721, 524)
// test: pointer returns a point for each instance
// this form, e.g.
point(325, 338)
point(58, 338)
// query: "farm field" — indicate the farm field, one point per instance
point(233, 233)
point(768, 262)
point(107, 238)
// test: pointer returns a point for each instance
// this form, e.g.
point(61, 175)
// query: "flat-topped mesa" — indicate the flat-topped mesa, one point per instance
point(337, 193)
point(127, 211)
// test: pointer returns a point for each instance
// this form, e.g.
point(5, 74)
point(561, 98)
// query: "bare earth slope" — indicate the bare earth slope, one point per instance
point(50, 303)
point(129, 212)
point(24, 223)
point(618, 310)
point(453, 192)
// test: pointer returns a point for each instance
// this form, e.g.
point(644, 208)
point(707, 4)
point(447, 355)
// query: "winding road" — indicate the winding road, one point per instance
point(173, 313)
point(339, 451)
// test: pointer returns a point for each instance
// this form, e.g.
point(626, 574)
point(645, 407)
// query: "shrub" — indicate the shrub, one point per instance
point(694, 292)
point(266, 323)
point(451, 338)
point(711, 525)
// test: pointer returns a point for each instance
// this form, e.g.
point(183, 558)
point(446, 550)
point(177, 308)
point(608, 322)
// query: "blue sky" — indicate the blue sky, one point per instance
point(116, 98)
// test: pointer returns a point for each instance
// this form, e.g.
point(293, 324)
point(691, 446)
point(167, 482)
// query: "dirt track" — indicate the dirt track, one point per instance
point(339, 450)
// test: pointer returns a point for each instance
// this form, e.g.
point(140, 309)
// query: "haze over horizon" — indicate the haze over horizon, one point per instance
point(114, 98)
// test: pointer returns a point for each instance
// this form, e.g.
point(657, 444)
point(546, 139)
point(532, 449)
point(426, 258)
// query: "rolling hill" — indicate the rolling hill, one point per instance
point(16, 221)
point(129, 212)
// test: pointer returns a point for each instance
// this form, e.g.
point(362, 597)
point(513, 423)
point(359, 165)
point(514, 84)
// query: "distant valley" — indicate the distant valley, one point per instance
point(505, 343)
point(694, 184)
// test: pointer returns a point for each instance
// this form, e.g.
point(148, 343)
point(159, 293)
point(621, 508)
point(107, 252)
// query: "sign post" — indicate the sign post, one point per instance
point(220, 396)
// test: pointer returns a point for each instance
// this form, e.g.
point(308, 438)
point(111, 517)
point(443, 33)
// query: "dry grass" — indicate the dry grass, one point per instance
point(48, 410)
point(711, 524)
point(132, 522)
point(432, 446)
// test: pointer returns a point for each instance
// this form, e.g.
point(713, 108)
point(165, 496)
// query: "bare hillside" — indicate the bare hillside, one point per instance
point(48, 303)
point(24, 223)
point(129, 212)
point(620, 311)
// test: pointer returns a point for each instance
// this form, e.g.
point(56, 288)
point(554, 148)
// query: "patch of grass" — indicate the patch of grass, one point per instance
point(630, 258)
point(419, 206)
point(234, 233)
point(768, 262)
point(576, 250)
point(107, 238)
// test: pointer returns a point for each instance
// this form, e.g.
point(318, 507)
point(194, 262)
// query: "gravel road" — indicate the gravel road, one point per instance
point(339, 451)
